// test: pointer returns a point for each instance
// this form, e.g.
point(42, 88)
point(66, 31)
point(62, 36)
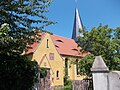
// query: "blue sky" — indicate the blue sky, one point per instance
point(92, 12)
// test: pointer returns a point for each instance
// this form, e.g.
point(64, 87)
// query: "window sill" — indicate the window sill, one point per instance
point(78, 75)
point(57, 78)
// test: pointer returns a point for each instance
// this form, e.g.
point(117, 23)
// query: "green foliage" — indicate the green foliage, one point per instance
point(117, 40)
point(18, 18)
point(9, 45)
point(16, 71)
point(102, 41)
point(67, 83)
point(18, 74)
point(43, 72)
point(97, 37)
point(12, 44)
point(85, 64)
point(24, 14)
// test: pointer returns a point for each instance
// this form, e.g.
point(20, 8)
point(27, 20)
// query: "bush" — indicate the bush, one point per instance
point(67, 83)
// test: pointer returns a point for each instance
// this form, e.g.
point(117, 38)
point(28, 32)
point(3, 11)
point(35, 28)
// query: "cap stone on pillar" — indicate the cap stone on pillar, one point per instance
point(99, 65)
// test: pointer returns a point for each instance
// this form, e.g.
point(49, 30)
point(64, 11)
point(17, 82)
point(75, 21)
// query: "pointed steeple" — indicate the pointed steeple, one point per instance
point(77, 26)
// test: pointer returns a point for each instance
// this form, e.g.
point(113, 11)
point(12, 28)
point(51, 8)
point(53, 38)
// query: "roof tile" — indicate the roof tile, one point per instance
point(65, 46)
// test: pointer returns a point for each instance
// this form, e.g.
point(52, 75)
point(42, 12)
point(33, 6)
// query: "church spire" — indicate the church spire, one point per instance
point(77, 26)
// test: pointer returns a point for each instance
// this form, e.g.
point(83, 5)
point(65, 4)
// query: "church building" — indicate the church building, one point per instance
point(58, 54)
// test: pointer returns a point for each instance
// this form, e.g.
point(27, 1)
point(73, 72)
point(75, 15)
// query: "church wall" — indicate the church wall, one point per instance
point(72, 73)
point(46, 51)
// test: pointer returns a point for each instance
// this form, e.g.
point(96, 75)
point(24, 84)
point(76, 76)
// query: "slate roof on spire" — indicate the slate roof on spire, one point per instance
point(77, 26)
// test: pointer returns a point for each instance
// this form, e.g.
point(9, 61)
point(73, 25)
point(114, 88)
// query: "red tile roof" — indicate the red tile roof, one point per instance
point(67, 46)
point(31, 48)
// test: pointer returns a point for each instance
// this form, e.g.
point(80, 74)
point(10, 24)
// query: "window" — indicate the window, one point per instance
point(66, 66)
point(77, 67)
point(57, 46)
point(59, 41)
point(57, 75)
point(47, 43)
point(51, 56)
point(75, 49)
point(66, 63)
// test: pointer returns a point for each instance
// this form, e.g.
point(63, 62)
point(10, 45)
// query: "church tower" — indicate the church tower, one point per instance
point(77, 26)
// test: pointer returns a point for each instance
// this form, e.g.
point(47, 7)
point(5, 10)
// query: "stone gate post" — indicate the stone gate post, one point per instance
point(100, 74)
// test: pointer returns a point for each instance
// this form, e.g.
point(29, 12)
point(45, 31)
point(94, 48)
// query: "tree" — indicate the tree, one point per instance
point(22, 16)
point(18, 18)
point(16, 71)
point(101, 41)
point(117, 40)
point(85, 65)
point(18, 74)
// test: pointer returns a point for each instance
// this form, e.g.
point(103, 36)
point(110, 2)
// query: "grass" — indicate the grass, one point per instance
point(68, 87)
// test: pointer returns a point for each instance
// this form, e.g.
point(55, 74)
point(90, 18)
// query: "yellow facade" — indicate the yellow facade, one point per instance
point(57, 65)
point(54, 65)
point(72, 69)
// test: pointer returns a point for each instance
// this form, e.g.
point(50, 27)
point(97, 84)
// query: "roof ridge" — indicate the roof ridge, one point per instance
point(63, 37)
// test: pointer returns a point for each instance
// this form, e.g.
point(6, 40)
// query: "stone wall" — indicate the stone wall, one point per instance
point(44, 83)
point(86, 84)
point(114, 80)
point(103, 79)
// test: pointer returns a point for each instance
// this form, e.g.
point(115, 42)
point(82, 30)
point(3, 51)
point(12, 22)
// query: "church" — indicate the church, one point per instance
point(57, 54)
